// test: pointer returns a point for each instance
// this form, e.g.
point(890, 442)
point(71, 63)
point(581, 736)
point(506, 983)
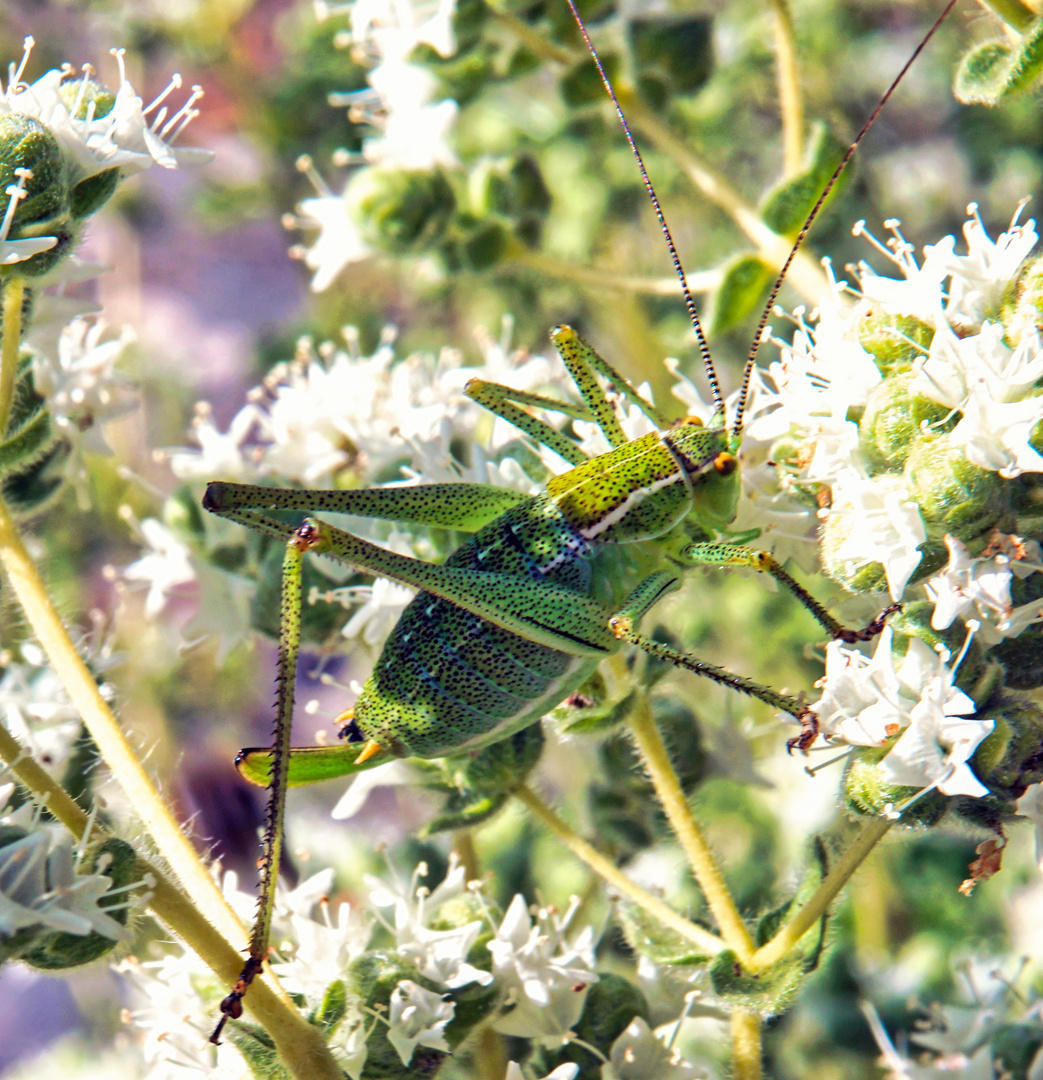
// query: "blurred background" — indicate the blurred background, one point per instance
point(200, 267)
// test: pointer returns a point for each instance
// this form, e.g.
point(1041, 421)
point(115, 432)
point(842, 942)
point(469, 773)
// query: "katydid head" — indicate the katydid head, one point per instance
point(711, 467)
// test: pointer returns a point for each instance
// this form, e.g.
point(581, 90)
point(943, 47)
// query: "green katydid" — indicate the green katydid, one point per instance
point(543, 589)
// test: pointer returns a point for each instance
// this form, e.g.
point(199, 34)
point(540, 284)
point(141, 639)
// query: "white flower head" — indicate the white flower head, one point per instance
point(546, 977)
point(638, 1055)
point(40, 886)
point(166, 565)
point(865, 702)
point(418, 1018)
point(124, 133)
point(84, 390)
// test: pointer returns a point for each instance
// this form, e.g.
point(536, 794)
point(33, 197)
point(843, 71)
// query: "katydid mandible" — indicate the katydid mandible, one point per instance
point(543, 589)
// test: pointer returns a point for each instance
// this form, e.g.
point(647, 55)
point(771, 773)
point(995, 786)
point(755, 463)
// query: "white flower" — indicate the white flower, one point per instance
point(390, 28)
point(966, 582)
point(413, 129)
point(82, 387)
point(546, 977)
point(126, 137)
point(884, 526)
point(167, 1007)
point(166, 566)
point(225, 455)
point(418, 1018)
point(980, 277)
point(14, 251)
point(995, 435)
point(324, 947)
point(339, 242)
point(36, 709)
point(638, 1055)
point(40, 886)
point(562, 1072)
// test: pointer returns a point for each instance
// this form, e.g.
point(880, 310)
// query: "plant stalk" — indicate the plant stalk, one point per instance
point(606, 869)
point(675, 805)
point(791, 104)
point(1014, 13)
point(817, 906)
point(13, 290)
point(299, 1044)
point(746, 1045)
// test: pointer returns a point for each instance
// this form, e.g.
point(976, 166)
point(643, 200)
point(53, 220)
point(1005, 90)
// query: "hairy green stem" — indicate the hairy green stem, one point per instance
point(598, 277)
point(817, 906)
point(615, 877)
point(200, 913)
point(805, 274)
point(746, 1045)
point(675, 805)
point(1014, 13)
point(791, 104)
point(13, 290)
point(299, 1044)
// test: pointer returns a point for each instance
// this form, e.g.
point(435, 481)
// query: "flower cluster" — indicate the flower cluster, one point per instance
point(65, 142)
point(400, 984)
point(335, 417)
point(908, 424)
point(412, 128)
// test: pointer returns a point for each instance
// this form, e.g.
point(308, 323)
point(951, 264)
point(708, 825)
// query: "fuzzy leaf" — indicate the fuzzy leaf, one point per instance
point(744, 283)
point(785, 208)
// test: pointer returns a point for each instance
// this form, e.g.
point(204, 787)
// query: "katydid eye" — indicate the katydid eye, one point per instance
point(725, 463)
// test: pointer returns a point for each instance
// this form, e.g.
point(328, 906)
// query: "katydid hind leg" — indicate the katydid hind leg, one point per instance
point(275, 815)
point(465, 507)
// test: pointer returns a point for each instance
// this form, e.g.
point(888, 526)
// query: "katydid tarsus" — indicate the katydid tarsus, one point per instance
point(543, 588)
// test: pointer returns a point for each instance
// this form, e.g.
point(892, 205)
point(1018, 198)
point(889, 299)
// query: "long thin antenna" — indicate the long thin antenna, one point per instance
point(693, 313)
point(766, 314)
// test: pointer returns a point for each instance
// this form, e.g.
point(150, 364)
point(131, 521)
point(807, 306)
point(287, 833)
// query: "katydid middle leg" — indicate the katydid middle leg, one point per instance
point(713, 554)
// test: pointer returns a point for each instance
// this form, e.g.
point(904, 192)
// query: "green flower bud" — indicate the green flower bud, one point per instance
point(954, 496)
point(1010, 758)
point(892, 421)
point(512, 187)
point(85, 97)
point(894, 341)
point(399, 210)
point(26, 144)
point(474, 244)
point(867, 794)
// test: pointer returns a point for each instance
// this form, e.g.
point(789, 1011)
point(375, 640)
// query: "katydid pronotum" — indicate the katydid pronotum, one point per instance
point(543, 588)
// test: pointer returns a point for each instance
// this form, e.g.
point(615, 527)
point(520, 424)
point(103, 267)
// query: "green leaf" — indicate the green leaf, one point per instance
point(744, 284)
point(997, 69)
point(785, 208)
point(647, 936)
